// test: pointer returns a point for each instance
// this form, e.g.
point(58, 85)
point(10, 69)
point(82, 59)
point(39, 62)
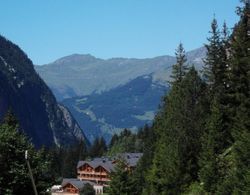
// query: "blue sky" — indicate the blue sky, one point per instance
point(50, 29)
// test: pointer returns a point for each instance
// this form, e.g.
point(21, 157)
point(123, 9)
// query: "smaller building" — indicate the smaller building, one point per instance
point(71, 186)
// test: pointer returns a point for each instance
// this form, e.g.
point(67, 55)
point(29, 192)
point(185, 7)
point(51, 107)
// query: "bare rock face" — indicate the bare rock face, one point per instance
point(72, 124)
point(34, 105)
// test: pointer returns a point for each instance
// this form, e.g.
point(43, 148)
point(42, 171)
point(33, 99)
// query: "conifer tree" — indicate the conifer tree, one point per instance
point(175, 163)
point(88, 190)
point(240, 93)
point(213, 58)
point(10, 119)
point(218, 134)
point(120, 180)
point(180, 68)
point(69, 156)
point(208, 174)
point(98, 148)
point(228, 124)
point(114, 139)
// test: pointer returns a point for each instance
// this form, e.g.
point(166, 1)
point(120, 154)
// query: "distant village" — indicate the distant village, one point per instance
point(95, 172)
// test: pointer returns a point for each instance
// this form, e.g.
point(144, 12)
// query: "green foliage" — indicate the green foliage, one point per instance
point(125, 142)
point(195, 189)
point(88, 190)
point(143, 141)
point(98, 148)
point(14, 178)
point(165, 173)
point(215, 141)
point(240, 93)
point(147, 141)
point(180, 68)
point(120, 181)
point(213, 59)
point(179, 127)
point(229, 124)
point(64, 160)
point(10, 119)
point(14, 173)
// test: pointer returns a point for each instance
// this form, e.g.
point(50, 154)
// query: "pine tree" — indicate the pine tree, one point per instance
point(208, 174)
point(240, 93)
point(88, 190)
point(120, 180)
point(180, 68)
point(98, 148)
point(114, 139)
point(10, 119)
point(164, 174)
point(175, 163)
point(213, 58)
point(218, 137)
point(68, 158)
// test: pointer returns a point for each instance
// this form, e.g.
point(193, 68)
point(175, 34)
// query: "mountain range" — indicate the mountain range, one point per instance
point(78, 75)
point(106, 96)
point(40, 117)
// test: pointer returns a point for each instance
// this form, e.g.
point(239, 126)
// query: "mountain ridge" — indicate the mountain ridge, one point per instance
point(96, 75)
point(31, 100)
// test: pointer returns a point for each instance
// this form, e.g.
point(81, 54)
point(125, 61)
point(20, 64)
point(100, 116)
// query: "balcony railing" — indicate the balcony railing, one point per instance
point(92, 172)
point(92, 178)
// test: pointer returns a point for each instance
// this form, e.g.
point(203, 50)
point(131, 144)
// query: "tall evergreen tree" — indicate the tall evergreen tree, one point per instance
point(175, 164)
point(148, 139)
point(88, 190)
point(240, 93)
point(120, 180)
point(98, 148)
point(180, 68)
point(211, 148)
point(10, 119)
point(218, 134)
point(213, 58)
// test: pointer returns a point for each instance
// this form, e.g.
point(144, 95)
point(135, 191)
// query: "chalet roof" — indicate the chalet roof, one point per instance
point(75, 182)
point(130, 158)
point(96, 162)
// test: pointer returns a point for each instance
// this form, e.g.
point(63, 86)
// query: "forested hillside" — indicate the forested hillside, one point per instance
point(129, 106)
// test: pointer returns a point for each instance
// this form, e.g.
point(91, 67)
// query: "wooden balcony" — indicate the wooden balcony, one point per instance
point(93, 178)
point(92, 173)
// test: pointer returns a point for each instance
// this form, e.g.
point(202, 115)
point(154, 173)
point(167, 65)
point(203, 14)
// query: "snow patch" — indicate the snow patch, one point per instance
point(20, 84)
point(3, 60)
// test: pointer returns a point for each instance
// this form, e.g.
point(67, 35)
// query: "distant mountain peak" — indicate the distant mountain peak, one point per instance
point(74, 58)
